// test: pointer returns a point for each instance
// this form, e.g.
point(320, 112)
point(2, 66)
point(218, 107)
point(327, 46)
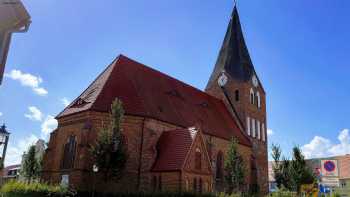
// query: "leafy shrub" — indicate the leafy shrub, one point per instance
point(18, 188)
point(336, 195)
point(283, 193)
point(222, 194)
point(140, 194)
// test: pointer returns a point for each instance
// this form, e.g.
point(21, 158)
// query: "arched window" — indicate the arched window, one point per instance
point(198, 159)
point(219, 166)
point(237, 95)
point(69, 153)
point(251, 96)
point(258, 99)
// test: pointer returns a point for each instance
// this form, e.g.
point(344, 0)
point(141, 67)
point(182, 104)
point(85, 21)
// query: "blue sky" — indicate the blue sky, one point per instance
point(299, 48)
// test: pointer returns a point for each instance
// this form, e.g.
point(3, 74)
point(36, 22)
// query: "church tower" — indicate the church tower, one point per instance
point(235, 81)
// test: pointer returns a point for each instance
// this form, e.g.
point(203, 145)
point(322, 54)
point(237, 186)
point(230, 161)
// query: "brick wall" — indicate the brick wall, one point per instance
point(220, 145)
point(86, 125)
point(245, 109)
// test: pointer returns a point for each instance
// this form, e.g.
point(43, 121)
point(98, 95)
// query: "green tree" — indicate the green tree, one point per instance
point(286, 174)
point(234, 168)
point(291, 174)
point(109, 151)
point(277, 164)
point(30, 169)
point(299, 171)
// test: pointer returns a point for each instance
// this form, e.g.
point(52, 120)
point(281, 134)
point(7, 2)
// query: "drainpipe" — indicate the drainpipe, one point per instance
point(140, 156)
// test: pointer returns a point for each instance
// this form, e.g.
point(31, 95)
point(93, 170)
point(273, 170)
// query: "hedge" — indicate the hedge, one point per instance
point(23, 189)
point(18, 188)
point(140, 194)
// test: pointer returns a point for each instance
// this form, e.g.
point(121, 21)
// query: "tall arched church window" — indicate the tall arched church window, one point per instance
point(219, 166)
point(198, 159)
point(251, 96)
point(69, 153)
point(258, 99)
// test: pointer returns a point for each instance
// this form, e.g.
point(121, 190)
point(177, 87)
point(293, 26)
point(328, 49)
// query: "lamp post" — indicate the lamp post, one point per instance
point(94, 170)
point(13, 18)
point(4, 139)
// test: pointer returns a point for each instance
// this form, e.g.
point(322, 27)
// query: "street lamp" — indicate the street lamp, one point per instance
point(4, 139)
point(94, 170)
point(13, 18)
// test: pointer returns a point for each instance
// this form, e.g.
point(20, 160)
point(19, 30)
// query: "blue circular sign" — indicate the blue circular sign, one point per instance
point(329, 166)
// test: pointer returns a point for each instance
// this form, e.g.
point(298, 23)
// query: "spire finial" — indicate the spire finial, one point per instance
point(235, 3)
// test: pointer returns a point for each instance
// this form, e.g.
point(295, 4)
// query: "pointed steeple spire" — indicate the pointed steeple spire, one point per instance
point(234, 57)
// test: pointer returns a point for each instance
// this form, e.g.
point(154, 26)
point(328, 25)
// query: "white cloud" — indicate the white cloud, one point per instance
point(322, 147)
point(35, 114)
point(16, 150)
point(28, 80)
point(49, 124)
point(270, 132)
point(65, 101)
point(40, 91)
point(1, 113)
point(344, 146)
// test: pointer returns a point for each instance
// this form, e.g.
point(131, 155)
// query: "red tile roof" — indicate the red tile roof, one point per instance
point(150, 93)
point(173, 146)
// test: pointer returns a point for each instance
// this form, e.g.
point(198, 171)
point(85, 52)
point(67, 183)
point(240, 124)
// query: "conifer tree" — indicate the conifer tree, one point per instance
point(291, 174)
point(30, 168)
point(299, 171)
point(109, 151)
point(234, 168)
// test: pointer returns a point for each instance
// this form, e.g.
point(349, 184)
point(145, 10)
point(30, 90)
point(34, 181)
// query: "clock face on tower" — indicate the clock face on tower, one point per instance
point(255, 81)
point(222, 80)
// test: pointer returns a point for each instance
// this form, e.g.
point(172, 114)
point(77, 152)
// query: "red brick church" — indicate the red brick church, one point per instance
point(177, 135)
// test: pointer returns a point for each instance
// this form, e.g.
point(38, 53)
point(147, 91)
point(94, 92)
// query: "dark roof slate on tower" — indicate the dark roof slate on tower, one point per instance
point(149, 93)
point(234, 57)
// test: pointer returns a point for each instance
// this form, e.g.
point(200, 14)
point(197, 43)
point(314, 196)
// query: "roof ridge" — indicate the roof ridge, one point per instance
point(91, 84)
point(115, 61)
point(142, 90)
point(190, 148)
point(172, 78)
